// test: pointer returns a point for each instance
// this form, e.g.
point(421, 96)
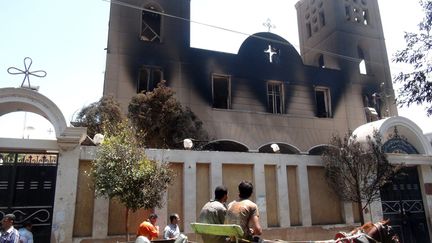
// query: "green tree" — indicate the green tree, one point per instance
point(161, 120)
point(357, 171)
point(99, 117)
point(122, 171)
point(417, 84)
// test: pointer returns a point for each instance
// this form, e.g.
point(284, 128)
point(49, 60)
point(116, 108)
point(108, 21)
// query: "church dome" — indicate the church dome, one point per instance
point(266, 47)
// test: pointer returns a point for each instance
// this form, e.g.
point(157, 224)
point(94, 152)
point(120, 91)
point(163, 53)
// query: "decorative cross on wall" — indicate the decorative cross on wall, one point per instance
point(27, 64)
point(268, 25)
point(270, 51)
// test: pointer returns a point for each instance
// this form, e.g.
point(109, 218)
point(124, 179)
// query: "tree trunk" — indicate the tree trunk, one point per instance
point(360, 209)
point(360, 206)
point(127, 224)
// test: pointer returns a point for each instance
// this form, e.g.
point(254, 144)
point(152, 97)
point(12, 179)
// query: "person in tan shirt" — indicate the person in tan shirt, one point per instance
point(244, 212)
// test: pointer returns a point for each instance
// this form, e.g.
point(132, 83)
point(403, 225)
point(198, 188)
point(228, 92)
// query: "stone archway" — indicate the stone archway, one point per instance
point(406, 128)
point(21, 99)
point(405, 201)
point(67, 145)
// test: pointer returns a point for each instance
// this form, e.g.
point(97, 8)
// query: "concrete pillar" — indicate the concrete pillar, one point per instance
point(348, 213)
point(216, 176)
point(425, 178)
point(162, 214)
point(375, 213)
point(65, 195)
point(260, 193)
point(189, 195)
point(305, 209)
point(283, 196)
point(100, 218)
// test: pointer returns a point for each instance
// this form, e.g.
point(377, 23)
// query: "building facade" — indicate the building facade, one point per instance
point(269, 93)
point(266, 93)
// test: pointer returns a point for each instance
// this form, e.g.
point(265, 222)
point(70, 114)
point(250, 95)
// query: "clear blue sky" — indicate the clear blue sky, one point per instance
point(67, 40)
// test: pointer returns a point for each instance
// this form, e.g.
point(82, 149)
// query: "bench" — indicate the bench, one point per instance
point(231, 230)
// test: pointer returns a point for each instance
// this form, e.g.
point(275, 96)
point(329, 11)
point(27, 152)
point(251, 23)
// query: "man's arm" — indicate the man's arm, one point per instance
point(155, 231)
point(166, 233)
point(255, 225)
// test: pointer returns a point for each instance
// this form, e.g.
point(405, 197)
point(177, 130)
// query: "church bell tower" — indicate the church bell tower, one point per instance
point(347, 35)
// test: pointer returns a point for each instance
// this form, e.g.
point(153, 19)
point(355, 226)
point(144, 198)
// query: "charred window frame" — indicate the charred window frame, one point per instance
point(323, 102)
point(151, 25)
point(148, 78)
point(221, 91)
point(275, 97)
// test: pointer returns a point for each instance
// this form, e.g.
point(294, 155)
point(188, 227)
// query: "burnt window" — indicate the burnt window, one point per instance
point(323, 105)
point(151, 25)
point(275, 97)
point(221, 91)
point(148, 78)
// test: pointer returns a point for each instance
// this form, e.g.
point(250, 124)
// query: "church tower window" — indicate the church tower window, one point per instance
point(308, 30)
point(365, 17)
point(221, 91)
point(275, 97)
point(151, 25)
point(322, 19)
point(362, 64)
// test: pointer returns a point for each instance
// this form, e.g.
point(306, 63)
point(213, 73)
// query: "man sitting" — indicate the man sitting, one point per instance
point(244, 212)
point(214, 212)
point(148, 229)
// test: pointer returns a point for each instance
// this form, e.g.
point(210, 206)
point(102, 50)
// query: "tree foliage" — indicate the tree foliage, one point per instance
point(161, 120)
point(121, 170)
point(417, 84)
point(100, 117)
point(357, 171)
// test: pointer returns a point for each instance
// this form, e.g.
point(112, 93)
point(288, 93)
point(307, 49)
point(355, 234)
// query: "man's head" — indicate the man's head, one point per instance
point(174, 218)
point(153, 218)
point(7, 221)
point(245, 189)
point(221, 194)
point(28, 225)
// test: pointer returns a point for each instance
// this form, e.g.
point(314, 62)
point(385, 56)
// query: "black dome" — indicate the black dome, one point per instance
point(254, 47)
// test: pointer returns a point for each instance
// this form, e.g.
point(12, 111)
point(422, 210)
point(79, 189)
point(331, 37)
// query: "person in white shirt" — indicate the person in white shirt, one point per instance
point(172, 230)
point(8, 234)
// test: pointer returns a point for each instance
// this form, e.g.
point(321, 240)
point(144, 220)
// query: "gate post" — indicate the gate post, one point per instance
point(425, 177)
point(66, 185)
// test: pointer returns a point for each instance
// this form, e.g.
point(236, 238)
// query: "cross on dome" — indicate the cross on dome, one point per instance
point(270, 51)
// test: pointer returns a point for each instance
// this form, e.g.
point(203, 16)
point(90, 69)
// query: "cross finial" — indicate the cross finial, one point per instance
point(269, 25)
point(27, 64)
